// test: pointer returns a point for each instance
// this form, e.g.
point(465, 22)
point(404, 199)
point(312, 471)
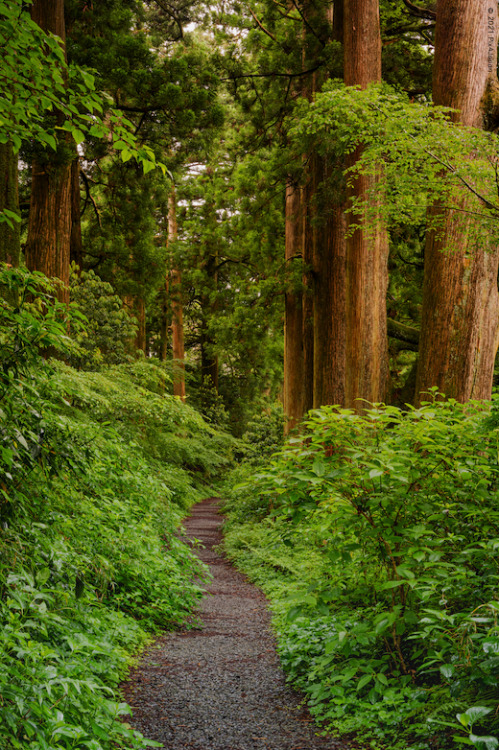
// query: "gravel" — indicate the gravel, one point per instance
point(219, 686)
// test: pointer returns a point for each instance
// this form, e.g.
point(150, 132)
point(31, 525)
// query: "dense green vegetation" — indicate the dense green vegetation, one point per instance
point(265, 208)
point(97, 470)
point(376, 539)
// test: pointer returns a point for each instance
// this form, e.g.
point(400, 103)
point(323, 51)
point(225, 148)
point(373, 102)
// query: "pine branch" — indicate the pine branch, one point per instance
point(262, 27)
point(420, 12)
point(405, 334)
point(269, 75)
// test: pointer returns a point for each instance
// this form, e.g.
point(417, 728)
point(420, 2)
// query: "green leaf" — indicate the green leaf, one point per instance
point(392, 584)
point(484, 743)
point(364, 680)
point(148, 166)
point(318, 467)
point(78, 136)
point(491, 646)
point(382, 625)
point(473, 714)
point(49, 139)
point(42, 576)
point(447, 670)
point(405, 572)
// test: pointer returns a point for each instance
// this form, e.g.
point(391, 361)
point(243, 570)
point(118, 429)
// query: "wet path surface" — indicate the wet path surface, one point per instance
point(220, 687)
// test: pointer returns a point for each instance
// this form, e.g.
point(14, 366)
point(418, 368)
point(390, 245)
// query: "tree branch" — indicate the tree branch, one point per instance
point(268, 75)
point(90, 197)
point(262, 27)
point(309, 27)
point(401, 333)
point(420, 12)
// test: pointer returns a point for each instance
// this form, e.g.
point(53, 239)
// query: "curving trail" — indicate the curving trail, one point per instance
point(220, 687)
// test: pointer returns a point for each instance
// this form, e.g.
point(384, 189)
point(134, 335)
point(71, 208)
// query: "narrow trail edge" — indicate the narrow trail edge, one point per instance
point(220, 686)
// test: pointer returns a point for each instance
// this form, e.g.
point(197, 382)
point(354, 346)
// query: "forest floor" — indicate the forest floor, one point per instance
point(219, 685)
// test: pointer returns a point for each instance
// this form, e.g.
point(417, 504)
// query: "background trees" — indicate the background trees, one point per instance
point(300, 230)
point(269, 182)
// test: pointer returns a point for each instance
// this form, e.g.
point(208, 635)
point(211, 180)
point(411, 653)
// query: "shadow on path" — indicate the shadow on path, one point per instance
point(220, 687)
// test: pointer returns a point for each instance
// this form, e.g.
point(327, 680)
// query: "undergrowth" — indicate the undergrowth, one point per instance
point(376, 540)
point(96, 471)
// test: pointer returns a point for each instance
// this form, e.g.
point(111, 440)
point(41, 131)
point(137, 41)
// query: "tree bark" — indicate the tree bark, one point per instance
point(209, 360)
point(140, 313)
point(76, 246)
point(329, 265)
point(294, 407)
point(317, 356)
point(10, 237)
point(164, 320)
point(330, 308)
point(367, 246)
point(298, 322)
point(177, 307)
point(308, 335)
point(49, 228)
point(459, 327)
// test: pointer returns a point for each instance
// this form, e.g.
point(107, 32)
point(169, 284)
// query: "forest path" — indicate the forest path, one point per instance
point(220, 687)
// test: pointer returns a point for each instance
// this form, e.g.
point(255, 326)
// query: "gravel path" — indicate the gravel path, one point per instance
point(220, 687)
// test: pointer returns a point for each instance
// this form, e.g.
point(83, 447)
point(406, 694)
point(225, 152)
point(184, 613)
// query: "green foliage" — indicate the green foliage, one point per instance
point(264, 431)
point(42, 99)
point(31, 322)
point(379, 546)
point(170, 90)
point(109, 328)
point(230, 251)
point(33, 80)
point(93, 486)
point(425, 155)
point(132, 399)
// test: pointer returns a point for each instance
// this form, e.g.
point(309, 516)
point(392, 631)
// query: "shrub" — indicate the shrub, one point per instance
point(90, 563)
point(397, 624)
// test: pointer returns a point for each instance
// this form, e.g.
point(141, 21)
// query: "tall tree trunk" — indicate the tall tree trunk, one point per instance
point(298, 304)
point(329, 304)
point(164, 322)
point(140, 313)
point(10, 236)
point(209, 360)
point(209, 300)
point(318, 355)
point(76, 246)
point(459, 327)
point(49, 229)
point(294, 395)
point(308, 336)
point(329, 264)
point(367, 246)
point(177, 307)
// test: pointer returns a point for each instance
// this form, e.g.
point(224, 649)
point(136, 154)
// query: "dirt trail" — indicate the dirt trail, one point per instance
point(220, 687)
